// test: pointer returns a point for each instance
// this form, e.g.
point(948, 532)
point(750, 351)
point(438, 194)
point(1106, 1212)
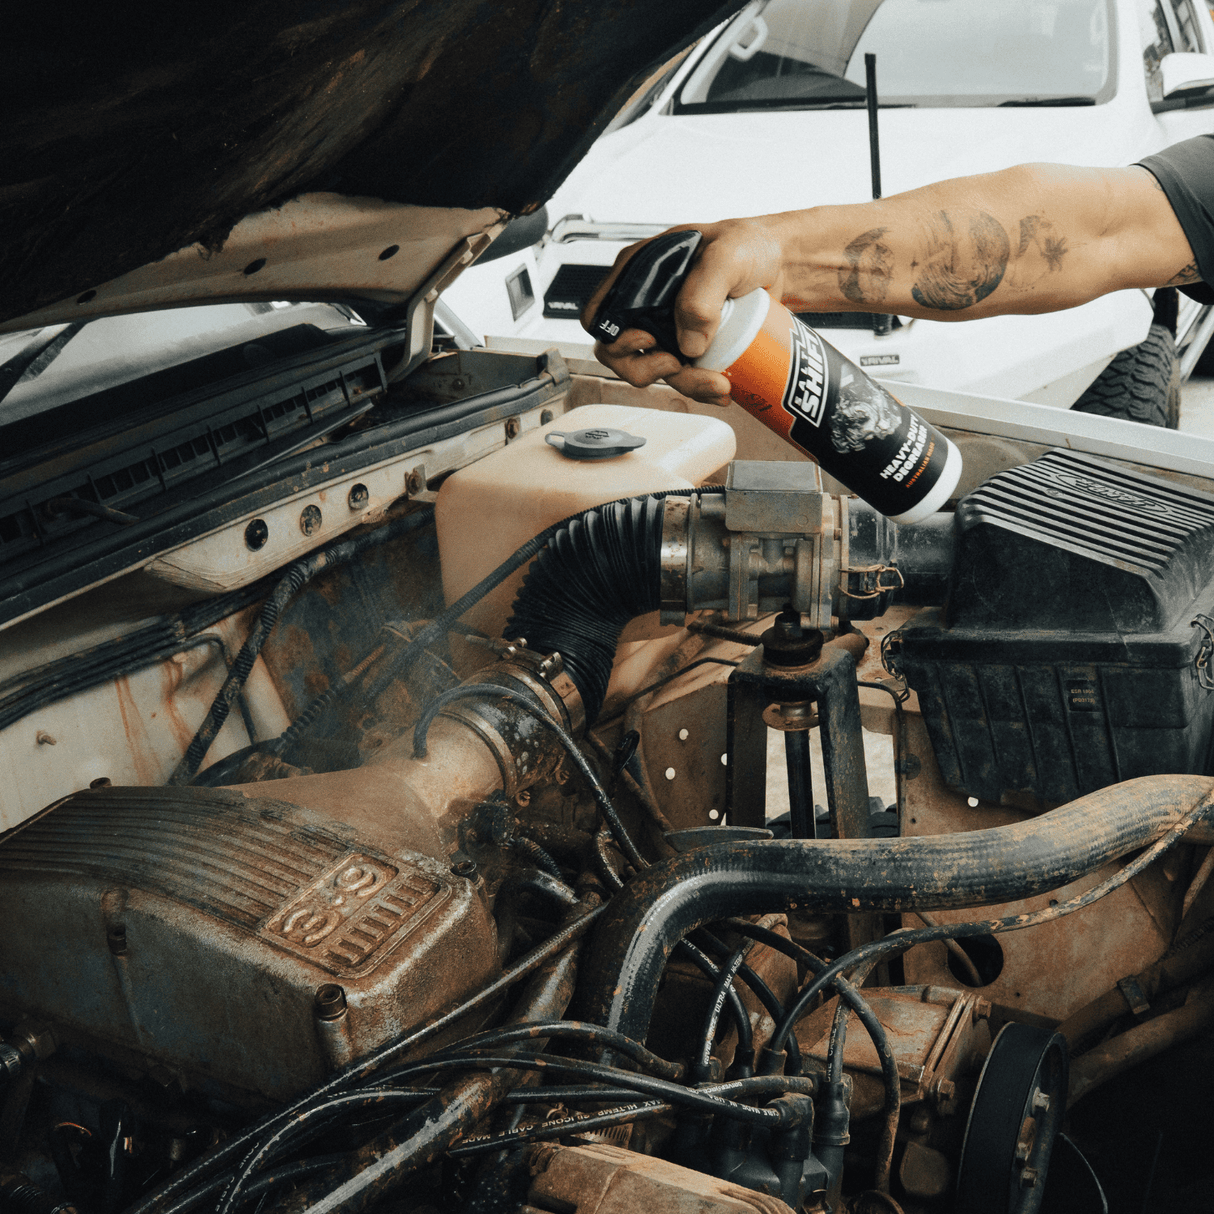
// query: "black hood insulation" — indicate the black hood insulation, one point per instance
point(135, 130)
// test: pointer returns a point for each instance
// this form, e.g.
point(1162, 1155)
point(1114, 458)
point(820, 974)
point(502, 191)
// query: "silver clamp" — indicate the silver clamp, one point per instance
point(1206, 653)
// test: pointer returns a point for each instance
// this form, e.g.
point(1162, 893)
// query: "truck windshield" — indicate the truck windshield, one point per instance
point(798, 54)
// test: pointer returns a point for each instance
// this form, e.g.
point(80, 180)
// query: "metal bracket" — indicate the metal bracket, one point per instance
point(1135, 996)
point(831, 683)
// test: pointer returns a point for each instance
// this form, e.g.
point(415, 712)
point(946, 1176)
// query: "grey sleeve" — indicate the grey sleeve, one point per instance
point(1185, 171)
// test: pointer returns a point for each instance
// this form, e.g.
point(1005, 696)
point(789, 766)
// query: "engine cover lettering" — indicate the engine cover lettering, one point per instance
point(351, 915)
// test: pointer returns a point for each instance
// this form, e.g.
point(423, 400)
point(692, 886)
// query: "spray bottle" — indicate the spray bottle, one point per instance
point(798, 385)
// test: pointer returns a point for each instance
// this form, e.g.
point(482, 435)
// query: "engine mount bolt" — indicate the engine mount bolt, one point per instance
point(330, 1002)
point(943, 1092)
point(1028, 1178)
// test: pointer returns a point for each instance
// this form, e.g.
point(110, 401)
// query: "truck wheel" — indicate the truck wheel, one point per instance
point(1142, 384)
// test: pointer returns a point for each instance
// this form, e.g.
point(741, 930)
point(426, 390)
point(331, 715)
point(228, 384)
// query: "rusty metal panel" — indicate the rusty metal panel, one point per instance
point(602, 1179)
point(133, 729)
point(1054, 968)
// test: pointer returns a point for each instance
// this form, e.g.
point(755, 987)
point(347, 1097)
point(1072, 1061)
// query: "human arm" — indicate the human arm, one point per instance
point(1034, 238)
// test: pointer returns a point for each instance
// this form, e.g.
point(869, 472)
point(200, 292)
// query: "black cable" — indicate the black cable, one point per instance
point(305, 1124)
point(518, 700)
point(425, 1133)
point(850, 996)
point(899, 697)
point(576, 1030)
point(314, 1121)
point(765, 995)
point(101, 663)
point(889, 1064)
point(281, 1174)
point(577, 1124)
point(613, 879)
point(536, 854)
point(538, 882)
point(745, 1051)
point(703, 1100)
point(737, 1008)
point(168, 1196)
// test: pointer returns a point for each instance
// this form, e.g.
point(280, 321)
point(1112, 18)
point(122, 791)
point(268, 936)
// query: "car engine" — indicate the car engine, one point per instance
point(484, 818)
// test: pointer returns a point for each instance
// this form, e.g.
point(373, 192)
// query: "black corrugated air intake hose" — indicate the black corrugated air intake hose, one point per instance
point(598, 572)
point(660, 905)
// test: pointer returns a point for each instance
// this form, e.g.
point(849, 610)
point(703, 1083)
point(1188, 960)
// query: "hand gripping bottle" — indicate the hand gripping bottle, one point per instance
point(795, 383)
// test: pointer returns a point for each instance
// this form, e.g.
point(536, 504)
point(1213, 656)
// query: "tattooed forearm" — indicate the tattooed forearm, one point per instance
point(964, 263)
point(870, 268)
point(1182, 278)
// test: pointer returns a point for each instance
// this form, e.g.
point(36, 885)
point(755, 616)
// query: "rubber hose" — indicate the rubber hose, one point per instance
point(596, 574)
point(661, 904)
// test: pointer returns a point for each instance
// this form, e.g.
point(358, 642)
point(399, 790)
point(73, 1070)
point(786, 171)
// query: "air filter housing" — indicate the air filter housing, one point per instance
point(1072, 652)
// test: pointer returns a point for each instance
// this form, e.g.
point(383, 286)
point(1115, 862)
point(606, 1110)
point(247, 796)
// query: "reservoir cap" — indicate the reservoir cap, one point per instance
point(599, 443)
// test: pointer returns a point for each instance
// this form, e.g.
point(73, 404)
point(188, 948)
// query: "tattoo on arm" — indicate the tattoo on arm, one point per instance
point(961, 268)
point(871, 266)
point(1037, 231)
point(1183, 277)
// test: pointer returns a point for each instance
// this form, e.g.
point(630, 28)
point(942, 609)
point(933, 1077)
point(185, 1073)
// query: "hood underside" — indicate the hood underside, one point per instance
point(136, 131)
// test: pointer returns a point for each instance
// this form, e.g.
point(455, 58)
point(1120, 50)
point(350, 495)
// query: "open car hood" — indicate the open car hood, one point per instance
point(270, 150)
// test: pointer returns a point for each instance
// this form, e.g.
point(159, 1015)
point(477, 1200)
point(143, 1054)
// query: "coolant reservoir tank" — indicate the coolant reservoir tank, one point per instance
point(488, 510)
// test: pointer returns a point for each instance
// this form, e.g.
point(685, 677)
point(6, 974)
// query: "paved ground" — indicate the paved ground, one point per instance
point(1197, 406)
point(1196, 417)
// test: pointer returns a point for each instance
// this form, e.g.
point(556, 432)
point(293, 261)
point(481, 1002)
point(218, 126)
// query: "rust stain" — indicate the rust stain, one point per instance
point(171, 674)
point(147, 769)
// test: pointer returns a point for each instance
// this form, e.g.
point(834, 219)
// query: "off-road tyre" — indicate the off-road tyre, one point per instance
point(1142, 384)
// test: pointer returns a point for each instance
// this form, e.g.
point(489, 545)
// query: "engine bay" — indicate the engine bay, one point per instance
point(478, 814)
